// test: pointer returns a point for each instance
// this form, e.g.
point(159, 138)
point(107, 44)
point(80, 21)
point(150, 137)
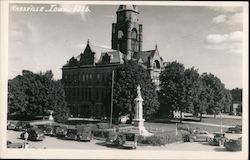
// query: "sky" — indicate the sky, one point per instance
point(43, 37)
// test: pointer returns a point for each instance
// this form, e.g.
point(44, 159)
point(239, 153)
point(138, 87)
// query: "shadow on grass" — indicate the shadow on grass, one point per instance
point(177, 120)
point(115, 146)
point(220, 150)
point(109, 145)
point(205, 143)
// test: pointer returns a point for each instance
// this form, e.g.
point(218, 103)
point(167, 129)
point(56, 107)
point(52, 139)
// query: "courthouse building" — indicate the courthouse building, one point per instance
point(84, 77)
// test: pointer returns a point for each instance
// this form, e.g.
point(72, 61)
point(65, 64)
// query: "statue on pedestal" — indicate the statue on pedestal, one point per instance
point(138, 119)
point(51, 118)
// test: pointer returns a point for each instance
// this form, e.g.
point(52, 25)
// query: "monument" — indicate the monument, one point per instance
point(51, 118)
point(138, 118)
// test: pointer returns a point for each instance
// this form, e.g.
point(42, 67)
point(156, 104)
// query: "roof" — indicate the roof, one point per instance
point(127, 7)
point(99, 51)
point(143, 55)
point(115, 55)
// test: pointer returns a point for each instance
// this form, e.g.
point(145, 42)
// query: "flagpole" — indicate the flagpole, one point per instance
point(111, 105)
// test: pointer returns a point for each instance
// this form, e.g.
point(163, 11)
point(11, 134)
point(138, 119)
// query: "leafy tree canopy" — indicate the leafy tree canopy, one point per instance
point(127, 77)
point(31, 95)
point(173, 90)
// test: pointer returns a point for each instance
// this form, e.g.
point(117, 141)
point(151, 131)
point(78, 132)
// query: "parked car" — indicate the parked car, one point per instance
point(234, 145)
point(8, 142)
point(49, 130)
point(112, 138)
point(22, 126)
point(55, 130)
point(11, 125)
point(129, 140)
point(199, 135)
point(16, 145)
point(41, 127)
point(237, 129)
point(61, 131)
point(34, 134)
point(218, 140)
point(84, 133)
point(71, 134)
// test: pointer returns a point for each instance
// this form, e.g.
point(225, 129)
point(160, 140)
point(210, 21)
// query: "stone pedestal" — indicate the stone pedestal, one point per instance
point(51, 118)
point(138, 118)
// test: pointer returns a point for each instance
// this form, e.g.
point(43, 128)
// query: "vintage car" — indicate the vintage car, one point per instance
point(16, 145)
point(129, 140)
point(234, 145)
point(112, 139)
point(218, 140)
point(34, 134)
point(71, 134)
point(198, 136)
point(61, 131)
point(11, 125)
point(50, 129)
point(237, 129)
point(84, 133)
point(22, 126)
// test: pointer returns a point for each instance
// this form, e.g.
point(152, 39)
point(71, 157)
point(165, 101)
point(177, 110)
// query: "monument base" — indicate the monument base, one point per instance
point(51, 118)
point(139, 126)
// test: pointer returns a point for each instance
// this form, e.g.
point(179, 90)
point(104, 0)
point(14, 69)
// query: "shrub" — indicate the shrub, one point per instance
point(100, 133)
point(163, 138)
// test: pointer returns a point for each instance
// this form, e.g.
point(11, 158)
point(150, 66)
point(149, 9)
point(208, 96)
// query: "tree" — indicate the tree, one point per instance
point(236, 94)
point(32, 95)
point(127, 77)
point(172, 95)
point(193, 89)
point(215, 88)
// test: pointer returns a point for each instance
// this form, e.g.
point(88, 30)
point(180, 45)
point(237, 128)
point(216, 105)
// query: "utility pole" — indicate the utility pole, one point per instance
point(111, 104)
point(220, 123)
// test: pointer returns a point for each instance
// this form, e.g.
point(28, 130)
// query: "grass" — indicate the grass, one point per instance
point(225, 121)
point(161, 127)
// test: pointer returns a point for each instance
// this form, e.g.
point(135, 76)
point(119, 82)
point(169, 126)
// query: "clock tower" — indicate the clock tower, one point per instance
point(127, 32)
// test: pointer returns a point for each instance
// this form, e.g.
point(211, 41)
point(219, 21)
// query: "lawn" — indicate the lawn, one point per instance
point(225, 121)
point(211, 120)
point(154, 127)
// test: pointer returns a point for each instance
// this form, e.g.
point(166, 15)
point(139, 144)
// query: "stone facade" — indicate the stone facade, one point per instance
point(84, 77)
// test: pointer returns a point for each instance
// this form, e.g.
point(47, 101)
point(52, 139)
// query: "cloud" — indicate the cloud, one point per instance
point(231, 42)
point(235, 19)
point(73, 9)
point(225, 9)
point(221, 38)
point(219, 19)
point(232, 19)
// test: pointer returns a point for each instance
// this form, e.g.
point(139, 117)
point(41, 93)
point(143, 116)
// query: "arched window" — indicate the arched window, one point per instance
point(120, 34)
point(134, 39)
point(156, 64)
point(134, 34)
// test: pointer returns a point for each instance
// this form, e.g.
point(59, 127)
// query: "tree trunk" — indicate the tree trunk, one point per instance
point(200, 117)
point(214, 115)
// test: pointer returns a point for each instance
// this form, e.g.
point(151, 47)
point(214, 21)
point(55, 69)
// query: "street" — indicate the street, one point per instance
point(55, 143)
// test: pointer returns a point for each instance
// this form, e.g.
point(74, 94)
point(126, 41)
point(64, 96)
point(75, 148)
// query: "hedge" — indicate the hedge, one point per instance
point(163, 138)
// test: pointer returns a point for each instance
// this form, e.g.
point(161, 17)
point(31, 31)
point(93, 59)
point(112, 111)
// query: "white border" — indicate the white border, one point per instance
point(114, 154)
